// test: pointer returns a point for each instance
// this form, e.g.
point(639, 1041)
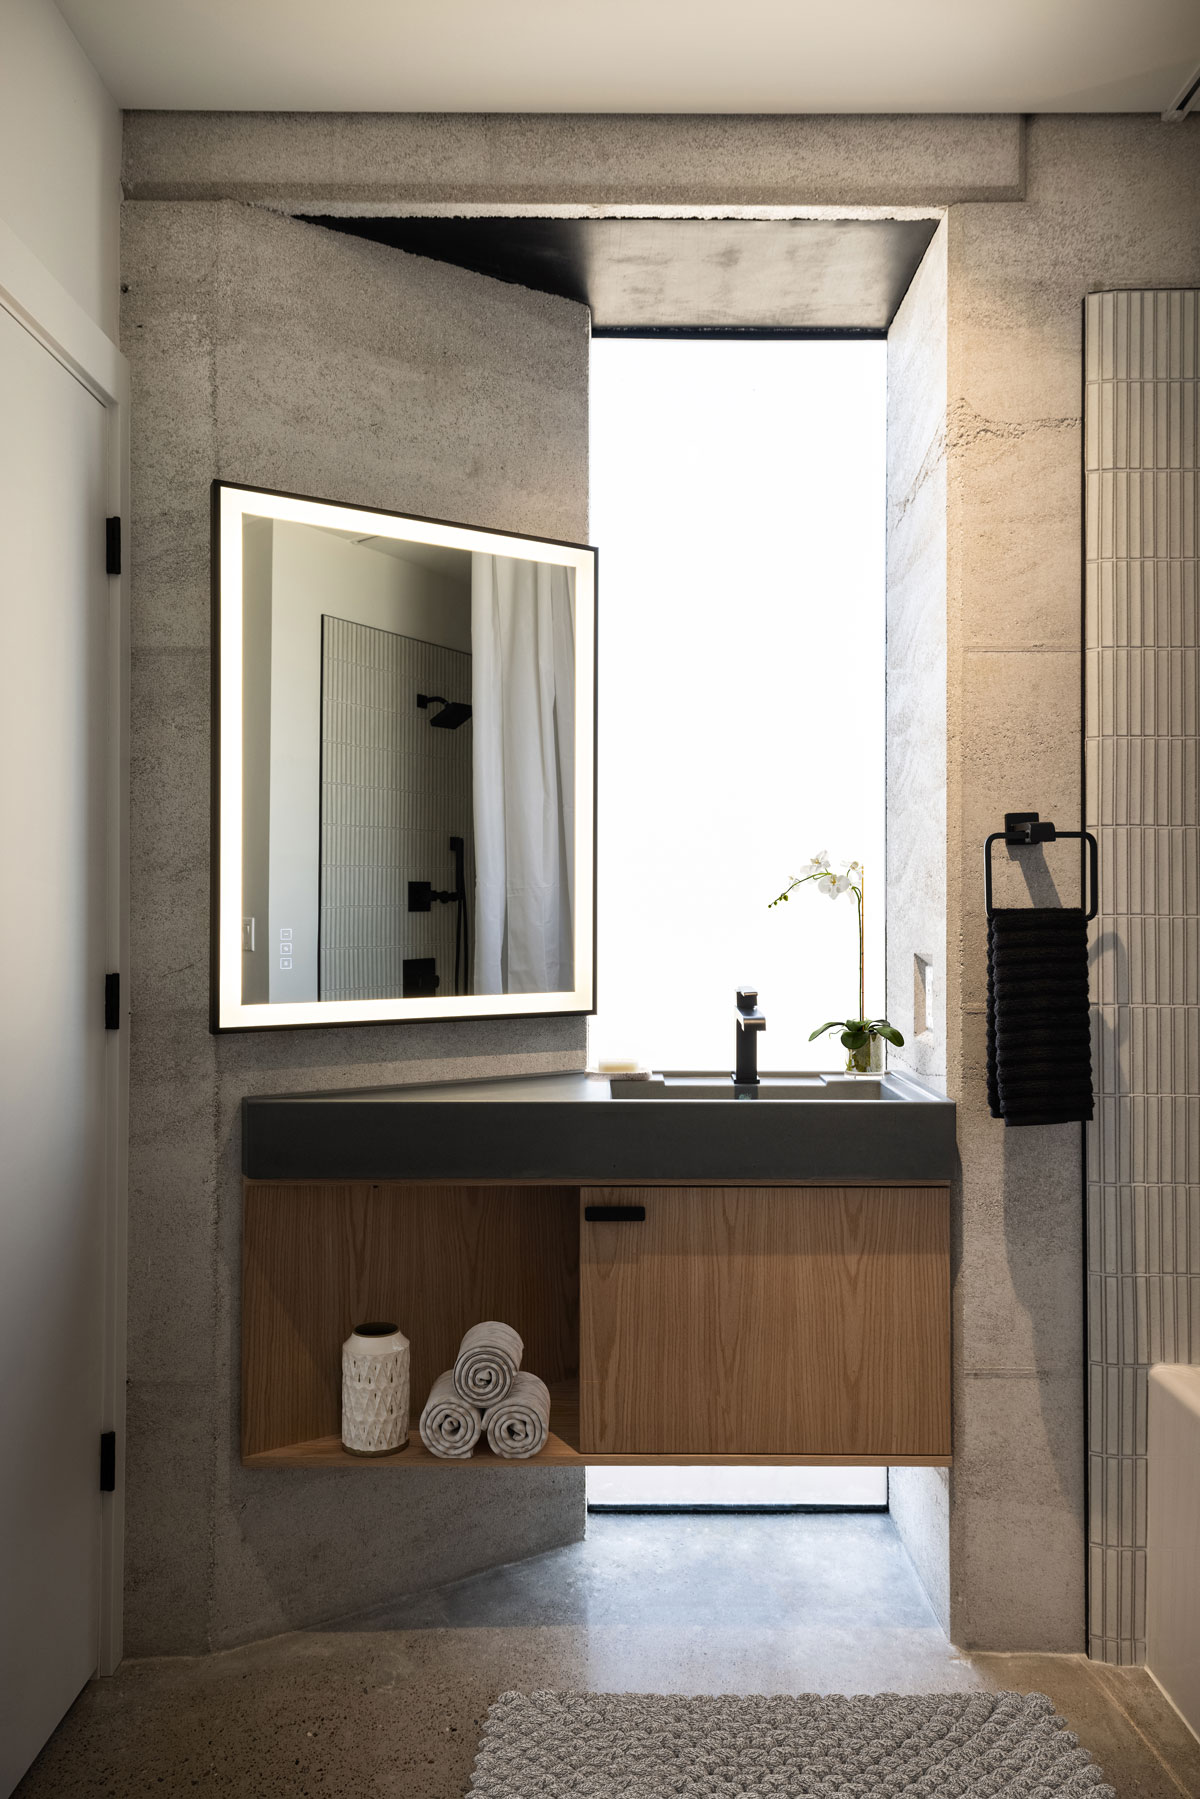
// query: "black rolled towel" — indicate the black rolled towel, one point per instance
point(1039, 1059)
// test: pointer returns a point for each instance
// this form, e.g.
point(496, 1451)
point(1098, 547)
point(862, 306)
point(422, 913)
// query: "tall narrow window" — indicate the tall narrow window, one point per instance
point(738, 498)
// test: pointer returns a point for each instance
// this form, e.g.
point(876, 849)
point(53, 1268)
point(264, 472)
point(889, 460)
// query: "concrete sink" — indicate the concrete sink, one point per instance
point(580, 1129)
point(796, 1088)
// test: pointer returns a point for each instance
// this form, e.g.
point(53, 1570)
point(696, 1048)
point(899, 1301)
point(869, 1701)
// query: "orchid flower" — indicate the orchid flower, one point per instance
point(818, 866)
point(856, 1033)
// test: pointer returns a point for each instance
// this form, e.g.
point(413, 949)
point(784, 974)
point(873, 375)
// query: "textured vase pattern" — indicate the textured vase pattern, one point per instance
point(375, 1382)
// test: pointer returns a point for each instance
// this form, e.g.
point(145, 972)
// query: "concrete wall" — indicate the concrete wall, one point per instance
point(270, 352)
point(60, 156)
point(1033, 224)
point(919, 1503)
point(361, 162)
point(916, 773)
point(916, 663)
point(1109, 202)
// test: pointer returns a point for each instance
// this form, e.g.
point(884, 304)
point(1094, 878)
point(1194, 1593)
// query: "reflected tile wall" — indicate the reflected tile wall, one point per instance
point(393, 793)
point(1142, 424)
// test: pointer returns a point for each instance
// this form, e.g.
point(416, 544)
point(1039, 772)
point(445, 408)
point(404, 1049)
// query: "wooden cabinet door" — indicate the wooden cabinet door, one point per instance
point(766, 1321)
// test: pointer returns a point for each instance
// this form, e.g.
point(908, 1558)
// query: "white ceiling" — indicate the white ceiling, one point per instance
point(733, 56)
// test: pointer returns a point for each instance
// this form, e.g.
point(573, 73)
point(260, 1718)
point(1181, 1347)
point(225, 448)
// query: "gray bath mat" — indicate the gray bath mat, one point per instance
point(650, 1746)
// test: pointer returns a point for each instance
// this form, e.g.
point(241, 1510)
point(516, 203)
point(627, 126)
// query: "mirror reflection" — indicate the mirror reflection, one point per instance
point(409, 768)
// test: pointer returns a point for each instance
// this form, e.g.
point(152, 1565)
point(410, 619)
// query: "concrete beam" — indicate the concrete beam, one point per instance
point(395, 161)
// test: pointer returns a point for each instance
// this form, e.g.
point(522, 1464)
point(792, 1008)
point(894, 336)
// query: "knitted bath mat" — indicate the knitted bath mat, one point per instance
point(874, 1746)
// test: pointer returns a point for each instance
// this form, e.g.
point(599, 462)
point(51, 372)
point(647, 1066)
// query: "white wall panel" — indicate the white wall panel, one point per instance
point(60, 156)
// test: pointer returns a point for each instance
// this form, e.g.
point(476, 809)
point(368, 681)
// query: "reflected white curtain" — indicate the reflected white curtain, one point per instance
point(523, 725)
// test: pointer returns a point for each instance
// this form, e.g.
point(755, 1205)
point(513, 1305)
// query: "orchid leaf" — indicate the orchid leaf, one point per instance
point(833, 1025)
point(884, 1029)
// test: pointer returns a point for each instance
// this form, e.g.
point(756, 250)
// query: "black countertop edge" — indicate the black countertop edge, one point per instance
point(619, 1143)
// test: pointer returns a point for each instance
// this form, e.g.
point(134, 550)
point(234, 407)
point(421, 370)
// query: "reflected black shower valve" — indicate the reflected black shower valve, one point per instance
point(421, 898)
point(421, 895)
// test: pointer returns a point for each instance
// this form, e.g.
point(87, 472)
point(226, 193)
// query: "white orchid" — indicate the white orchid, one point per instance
point(821, 870)
point(829, 882)
point(819, 865)
point(857, 1034)
point(836, 884)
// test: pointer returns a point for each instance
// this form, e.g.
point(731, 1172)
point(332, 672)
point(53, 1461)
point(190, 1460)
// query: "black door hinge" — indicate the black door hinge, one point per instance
point(112, 1002)
point(108, 1461)
point(112, 546)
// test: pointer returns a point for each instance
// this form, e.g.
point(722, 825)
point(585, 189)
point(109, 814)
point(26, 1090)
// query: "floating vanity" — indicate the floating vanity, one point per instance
point(700, 1271)
point(700, 1274)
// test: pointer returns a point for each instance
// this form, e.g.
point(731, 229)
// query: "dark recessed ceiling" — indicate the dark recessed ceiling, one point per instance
point(684, 274)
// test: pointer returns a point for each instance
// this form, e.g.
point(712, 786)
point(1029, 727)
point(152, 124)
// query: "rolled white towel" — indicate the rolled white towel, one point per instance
point(519, 1425)
point(449, 1426)
point(487, 1361)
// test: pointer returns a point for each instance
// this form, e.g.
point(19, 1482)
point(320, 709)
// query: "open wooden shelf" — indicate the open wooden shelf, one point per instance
point(327, 1452)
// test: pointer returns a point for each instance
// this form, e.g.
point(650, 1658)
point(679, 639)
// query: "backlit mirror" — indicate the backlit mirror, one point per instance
point(405, 767)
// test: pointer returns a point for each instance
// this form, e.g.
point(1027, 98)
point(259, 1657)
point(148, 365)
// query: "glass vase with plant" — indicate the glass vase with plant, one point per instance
point(860, 1036)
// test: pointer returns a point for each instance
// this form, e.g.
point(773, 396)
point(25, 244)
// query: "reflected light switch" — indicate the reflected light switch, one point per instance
point(248, 935)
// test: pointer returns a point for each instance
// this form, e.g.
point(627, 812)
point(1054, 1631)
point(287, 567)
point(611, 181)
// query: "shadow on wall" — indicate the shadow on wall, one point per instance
point(1109, 968)
point(1038, 876)
point(1031, 1153)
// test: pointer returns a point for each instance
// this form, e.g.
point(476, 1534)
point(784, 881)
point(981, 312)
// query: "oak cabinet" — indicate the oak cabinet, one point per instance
point(727, 1324)
point(748, 1321)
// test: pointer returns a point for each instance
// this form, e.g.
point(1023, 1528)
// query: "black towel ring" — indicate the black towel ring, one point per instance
point(1025, 828)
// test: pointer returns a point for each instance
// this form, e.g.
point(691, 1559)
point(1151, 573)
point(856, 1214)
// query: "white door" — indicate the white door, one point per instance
point(53, 745)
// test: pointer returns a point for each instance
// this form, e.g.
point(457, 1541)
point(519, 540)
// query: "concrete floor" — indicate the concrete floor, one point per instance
point(392, 1705)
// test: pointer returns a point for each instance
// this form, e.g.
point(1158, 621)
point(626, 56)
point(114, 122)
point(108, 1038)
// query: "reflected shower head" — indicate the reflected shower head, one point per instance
point(453, 712)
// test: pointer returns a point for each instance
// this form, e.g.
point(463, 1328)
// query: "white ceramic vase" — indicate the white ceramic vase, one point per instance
point(375, 1379)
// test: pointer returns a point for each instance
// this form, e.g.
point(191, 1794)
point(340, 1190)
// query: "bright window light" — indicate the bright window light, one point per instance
point(738, 501)
point(748, 1485)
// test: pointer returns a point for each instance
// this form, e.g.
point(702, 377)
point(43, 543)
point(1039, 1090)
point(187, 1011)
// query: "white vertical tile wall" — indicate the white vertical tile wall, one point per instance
point(393, 793)
point(1142, 423)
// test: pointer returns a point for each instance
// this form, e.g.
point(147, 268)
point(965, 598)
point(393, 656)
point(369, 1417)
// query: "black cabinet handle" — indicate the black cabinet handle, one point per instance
point(615, 1214)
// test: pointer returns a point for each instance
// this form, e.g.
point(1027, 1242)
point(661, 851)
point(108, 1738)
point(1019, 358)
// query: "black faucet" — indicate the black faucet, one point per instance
point(749, 1022)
